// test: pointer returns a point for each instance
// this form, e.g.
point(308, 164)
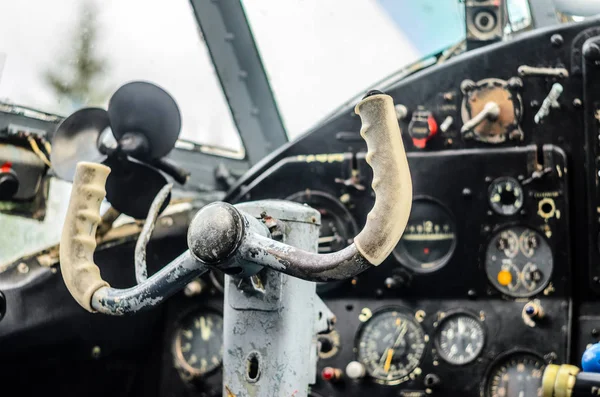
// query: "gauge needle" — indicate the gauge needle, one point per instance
point(388, 360)
point(461, 327)
point(204, 329)
point(403, 330)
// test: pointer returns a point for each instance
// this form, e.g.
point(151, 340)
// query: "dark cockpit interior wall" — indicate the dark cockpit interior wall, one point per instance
point(496, 276)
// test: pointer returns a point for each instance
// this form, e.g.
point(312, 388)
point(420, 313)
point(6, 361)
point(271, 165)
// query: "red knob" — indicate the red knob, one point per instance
point(331, 374)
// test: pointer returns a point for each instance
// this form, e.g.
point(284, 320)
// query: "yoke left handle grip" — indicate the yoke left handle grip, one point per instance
point(78, 241)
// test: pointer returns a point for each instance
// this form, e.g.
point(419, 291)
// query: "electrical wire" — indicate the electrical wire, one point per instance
point(48, 147)
point(38, 152)
point(141, 269)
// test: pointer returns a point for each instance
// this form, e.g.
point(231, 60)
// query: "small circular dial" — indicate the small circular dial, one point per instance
point(390, 346)
point(528, 243)
point(517, 375)
point(198, 344)
point(459, 339)
point(519, 262)
point(429, 238)
point(505, 196)
point(508, 243)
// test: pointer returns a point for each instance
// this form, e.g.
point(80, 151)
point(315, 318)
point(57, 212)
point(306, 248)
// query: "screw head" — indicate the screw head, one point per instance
point(23, 268)
point(557, 40)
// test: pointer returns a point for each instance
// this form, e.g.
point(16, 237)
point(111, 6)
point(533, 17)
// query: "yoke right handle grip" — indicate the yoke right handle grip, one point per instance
point(78, 240)
point(391, 178)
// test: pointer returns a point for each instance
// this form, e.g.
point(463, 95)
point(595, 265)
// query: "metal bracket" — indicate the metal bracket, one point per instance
point(241, 295)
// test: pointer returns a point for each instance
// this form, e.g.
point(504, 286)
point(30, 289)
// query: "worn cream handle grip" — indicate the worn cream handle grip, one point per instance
point(78, 240)
point(391, 178)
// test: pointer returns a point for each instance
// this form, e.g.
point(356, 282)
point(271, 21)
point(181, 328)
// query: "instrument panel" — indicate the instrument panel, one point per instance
point(469, 281)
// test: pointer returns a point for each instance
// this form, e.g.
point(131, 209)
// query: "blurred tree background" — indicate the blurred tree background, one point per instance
point(78, 77)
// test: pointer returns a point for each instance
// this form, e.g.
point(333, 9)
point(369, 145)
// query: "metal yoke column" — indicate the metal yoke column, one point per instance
point(269, 338)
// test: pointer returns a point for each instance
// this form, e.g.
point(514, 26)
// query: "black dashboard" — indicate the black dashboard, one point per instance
point(497, 274)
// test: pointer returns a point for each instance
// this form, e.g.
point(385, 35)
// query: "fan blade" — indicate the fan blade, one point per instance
point(144, 108)
point(76, 139)
point(132, 186)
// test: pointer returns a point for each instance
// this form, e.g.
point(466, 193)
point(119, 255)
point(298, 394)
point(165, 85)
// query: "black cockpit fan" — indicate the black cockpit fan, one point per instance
point(133, 136)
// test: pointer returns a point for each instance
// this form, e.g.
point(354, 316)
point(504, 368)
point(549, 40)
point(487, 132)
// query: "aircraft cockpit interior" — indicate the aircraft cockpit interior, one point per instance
point(300, 198)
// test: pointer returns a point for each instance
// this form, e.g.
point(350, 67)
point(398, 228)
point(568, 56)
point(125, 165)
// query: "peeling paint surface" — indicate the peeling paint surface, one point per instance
point(169, 280)
point(278, 325)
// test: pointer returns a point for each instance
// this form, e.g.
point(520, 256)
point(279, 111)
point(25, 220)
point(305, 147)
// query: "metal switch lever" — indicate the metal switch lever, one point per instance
point(490, 111)
point(551, 101)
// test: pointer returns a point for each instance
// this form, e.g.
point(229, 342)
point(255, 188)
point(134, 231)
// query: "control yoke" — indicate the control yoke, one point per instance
point(221, 236)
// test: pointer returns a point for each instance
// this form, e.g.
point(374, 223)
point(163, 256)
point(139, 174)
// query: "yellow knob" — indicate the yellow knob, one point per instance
point(504, 277)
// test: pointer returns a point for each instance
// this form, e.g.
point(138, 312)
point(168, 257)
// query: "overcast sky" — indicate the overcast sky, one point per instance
point(308, 46)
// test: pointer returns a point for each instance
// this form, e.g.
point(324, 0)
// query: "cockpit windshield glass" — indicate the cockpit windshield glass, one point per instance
point(318, 54)
point(59, 56)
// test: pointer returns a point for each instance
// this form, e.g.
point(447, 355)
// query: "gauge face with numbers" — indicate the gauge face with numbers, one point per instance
point(459, 339)
point(505, 196)
point(429, 239)
point(391, 345)
point(516, 375)
point(198, 344)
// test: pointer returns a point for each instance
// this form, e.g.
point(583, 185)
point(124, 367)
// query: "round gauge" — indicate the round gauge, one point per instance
point(459, 339)
point(338, 227)
point(198, 344)
point(505, 196)
point(515, 375)
point(390, 346)
point(519, 262)
point(429, 238)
